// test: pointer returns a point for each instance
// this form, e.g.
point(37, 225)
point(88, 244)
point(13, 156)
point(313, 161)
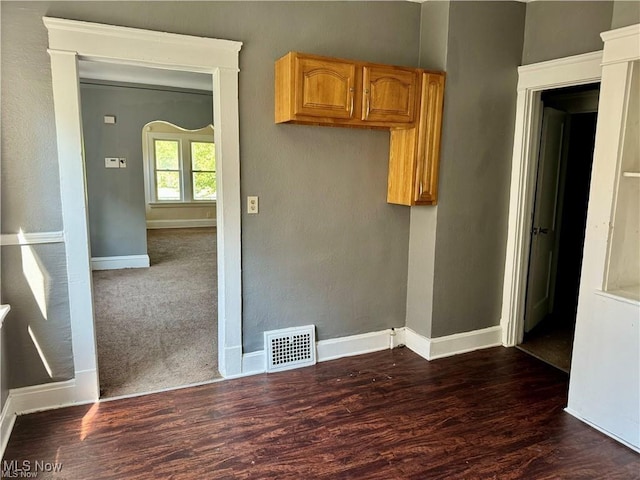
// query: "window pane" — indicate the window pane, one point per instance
point(168, 185)
point(203, 156)
point(204, 186)
point(167, 157)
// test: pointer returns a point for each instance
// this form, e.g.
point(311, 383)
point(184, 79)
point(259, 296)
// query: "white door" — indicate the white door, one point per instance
point(543, 233)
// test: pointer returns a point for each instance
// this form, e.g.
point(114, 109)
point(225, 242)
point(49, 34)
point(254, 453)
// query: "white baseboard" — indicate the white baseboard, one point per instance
point(254, 363)
point(116, 263)
point(331, 349)
point(78, 391)
point(352, 345)
point(575, 414)
point(417, 343)
point(7, 420)
point(440, 347)
point(189, 223)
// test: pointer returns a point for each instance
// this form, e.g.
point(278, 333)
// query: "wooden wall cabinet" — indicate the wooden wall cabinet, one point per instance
point(315, 90)
point(414, 153)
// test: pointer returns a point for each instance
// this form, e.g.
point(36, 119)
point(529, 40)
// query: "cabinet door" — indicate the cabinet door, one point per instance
point(324, 88)
point(389, 94)
point(429, 132)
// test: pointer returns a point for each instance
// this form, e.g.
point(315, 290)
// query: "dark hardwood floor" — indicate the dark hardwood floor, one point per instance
point(496, 413)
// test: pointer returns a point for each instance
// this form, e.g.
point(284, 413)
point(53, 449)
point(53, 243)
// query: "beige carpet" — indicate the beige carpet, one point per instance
point(157, 327)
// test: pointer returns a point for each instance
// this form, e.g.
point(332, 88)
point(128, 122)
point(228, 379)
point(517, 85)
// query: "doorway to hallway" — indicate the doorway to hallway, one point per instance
point(559, 220)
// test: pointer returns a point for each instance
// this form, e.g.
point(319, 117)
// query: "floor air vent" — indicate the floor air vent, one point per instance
point(290, 348)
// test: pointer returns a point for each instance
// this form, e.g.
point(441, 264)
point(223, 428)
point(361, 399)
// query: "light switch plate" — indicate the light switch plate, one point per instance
point(112, 162)
point(123, 162)
point(252, 205)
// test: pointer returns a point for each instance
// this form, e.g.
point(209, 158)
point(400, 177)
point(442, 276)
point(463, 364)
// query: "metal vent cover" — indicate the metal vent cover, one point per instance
point(290, 348)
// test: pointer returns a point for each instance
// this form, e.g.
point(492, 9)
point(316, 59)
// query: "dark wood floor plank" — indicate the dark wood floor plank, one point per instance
point(496, 413)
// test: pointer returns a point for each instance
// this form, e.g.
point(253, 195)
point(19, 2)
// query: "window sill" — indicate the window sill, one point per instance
point(207, 203)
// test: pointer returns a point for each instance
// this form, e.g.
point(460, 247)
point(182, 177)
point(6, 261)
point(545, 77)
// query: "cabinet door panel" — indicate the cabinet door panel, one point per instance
point(389, 94)
point(429, 127)
point(324, 88)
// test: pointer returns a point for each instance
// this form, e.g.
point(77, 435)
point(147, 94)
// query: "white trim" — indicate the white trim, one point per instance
point(440, 347)
point(613, 295)
point(187, 223)
point(465, 342)
point(158, 49)
point(69, 40)
point(254, 363)
point(334, 348)
point(31, 238)
point(622, 45)
point(417, 343)
point(195, 203)
point(119, 262)
point(4, 311)
point(533, 79)
point(7, 421)
point(49, 396)
point(575, 414)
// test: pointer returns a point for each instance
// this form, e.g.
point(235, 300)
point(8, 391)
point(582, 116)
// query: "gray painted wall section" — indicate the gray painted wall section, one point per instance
point(434, 27)
point(625, 13)
point(484, 50)
point(116, 196)
point(326, 248)
point(560, 29)
point(30, 273)
point(434, 35)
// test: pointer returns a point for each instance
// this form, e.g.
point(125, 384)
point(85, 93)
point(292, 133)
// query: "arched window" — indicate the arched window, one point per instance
point(180, 165)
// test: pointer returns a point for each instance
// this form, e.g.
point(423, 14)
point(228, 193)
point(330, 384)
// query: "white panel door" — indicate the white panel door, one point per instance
point(543, 233)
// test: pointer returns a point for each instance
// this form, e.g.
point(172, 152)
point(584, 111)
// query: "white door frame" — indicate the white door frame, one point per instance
point(68, 42)
point(532, 81)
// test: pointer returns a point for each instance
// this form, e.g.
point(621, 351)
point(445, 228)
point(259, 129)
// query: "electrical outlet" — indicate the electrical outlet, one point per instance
point(123, 162)
point(252, 205)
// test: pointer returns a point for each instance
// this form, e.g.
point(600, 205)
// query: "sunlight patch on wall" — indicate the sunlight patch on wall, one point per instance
point(36, 278)
point(40, 352)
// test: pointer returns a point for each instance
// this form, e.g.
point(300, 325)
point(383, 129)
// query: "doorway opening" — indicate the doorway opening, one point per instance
point(151, 192)
point(558, 224)
point(217, 61)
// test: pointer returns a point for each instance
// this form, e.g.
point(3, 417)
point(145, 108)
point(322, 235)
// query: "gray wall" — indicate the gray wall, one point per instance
point(28, 273)
point(326, 248)
point(434, 27)
point(625, 13)
point(484, 50)
point(559, 29)
point(116, 196)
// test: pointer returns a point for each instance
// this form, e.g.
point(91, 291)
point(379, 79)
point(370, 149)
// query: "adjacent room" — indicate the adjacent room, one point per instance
point(328, 239)
point(151, 185)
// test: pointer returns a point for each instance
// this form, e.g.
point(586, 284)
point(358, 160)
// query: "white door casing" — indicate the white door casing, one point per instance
point(532, 80)
point(543, 234)
point(70, 40)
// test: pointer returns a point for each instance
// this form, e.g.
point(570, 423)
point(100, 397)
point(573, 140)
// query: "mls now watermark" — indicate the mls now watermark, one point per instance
point(28, 468)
